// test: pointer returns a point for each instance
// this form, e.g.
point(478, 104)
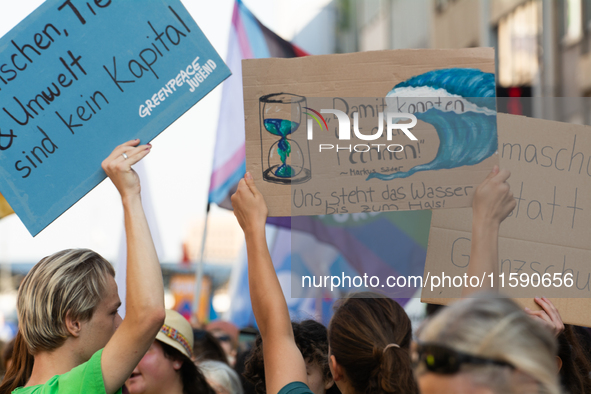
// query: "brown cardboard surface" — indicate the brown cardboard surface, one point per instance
point(371, 75)
point(550, 164)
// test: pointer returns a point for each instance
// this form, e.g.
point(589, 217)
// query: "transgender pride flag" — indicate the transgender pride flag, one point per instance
point(249, 39)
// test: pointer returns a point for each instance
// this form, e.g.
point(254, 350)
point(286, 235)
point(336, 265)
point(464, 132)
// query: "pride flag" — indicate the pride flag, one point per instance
point(249, 39)
point(381, 244)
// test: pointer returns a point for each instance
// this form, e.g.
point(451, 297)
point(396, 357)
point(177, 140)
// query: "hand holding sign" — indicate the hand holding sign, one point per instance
point(493, 199)
point(249, 206)
point(118, 167)
point(547, 316)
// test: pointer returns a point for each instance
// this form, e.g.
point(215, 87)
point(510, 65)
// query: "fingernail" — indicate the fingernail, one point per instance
point(150, 145)
point(248, 175)
point(526, 308)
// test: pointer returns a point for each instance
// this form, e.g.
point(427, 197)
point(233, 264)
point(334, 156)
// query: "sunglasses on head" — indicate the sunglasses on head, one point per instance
point(224, 338)
point(443, 360)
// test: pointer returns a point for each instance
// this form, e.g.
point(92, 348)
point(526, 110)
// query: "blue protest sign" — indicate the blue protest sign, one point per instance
point(78, 78)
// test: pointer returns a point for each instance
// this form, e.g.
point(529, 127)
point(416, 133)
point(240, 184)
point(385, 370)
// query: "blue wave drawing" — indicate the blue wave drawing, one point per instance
point(469, 83)
point(465, 138)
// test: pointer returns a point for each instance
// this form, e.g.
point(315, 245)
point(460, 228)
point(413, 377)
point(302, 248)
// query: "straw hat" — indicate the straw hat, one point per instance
point(177, 332)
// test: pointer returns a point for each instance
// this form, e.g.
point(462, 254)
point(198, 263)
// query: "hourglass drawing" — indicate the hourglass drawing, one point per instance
point(284, 161)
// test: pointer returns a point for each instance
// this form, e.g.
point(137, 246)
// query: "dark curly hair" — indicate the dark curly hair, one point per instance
point(310, 337)
point(574, 350)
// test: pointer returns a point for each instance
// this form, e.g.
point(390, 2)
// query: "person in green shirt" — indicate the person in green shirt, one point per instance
point(71, 338)
point(369, 336)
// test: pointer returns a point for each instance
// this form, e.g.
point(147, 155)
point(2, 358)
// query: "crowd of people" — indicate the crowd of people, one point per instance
point(71, 338)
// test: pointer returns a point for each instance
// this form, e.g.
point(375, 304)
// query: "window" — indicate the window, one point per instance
point(573, 21)
point(587, 15)
point(518, 48)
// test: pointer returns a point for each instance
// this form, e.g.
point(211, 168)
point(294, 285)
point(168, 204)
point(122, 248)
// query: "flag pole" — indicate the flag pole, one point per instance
point(199, 268)
point(199, 263)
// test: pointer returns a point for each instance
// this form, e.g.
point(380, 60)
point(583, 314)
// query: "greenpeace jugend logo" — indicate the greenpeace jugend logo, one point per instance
point(344, 130)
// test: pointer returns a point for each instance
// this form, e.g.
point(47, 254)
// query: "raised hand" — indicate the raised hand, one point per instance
point(145, 291)
point(266, 296)
point(493, 199)
point(547, 316)
point(249, 206)
point(118, 166)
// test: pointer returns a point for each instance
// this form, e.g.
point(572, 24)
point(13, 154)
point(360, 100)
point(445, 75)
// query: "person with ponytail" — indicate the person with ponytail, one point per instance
point(71, 338)
point(369, 336)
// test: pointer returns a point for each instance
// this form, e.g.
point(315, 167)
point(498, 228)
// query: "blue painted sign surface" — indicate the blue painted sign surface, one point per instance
point(78, 78)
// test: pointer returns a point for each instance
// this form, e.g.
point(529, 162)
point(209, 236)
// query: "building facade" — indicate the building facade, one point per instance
point(543, 47)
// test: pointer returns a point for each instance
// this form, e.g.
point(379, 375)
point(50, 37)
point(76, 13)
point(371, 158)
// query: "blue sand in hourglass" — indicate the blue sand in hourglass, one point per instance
point(282, 128)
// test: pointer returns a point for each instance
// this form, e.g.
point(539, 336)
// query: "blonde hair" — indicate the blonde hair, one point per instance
point(72, 282)
point(498, 329)
point(221, 376)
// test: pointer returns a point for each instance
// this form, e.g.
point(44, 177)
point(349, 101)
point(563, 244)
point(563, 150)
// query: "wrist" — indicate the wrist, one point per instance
point(130, 199)
point(485, 221)
point(254, 232)
point(485, 228)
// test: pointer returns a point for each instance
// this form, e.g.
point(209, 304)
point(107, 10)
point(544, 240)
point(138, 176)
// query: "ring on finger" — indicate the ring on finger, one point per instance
point(125, 155)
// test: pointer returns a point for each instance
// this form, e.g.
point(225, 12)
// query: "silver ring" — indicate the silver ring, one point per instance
point(125, 156)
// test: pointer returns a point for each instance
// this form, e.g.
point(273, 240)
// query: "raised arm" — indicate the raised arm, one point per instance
point(493, 201)
point(145, 293)
point(283, 361)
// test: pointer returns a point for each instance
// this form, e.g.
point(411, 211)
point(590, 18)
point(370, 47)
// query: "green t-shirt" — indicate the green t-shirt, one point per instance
point(295, 388)
point(86, 378)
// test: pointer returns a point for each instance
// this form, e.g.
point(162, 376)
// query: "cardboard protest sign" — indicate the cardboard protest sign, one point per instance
point(330, 134)
point(548, 232)
point(77, 79)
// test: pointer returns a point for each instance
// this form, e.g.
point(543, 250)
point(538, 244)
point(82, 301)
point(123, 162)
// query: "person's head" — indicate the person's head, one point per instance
point(70, 294)
point(227, 335)
point(207, 347)
point(68, 298)
point(486, 345)
point(222, 378)
point(167, 367)
point(369, 337)
point(311, 338)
